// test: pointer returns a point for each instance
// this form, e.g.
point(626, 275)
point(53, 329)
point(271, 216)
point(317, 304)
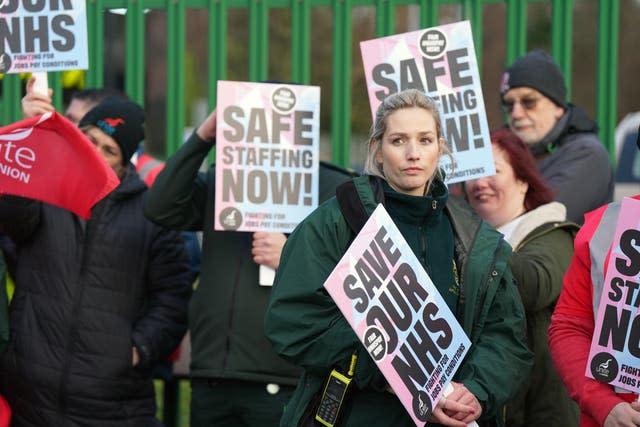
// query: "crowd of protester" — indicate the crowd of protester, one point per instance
point(93, 305)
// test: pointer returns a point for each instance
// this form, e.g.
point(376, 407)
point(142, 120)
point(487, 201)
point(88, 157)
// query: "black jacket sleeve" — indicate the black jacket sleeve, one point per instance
point(161, 326)
point(19, 217)
point(178, 196)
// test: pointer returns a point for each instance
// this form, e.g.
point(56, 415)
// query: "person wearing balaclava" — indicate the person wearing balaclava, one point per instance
point(97, 302)
point(573, 324)
point(561, 136)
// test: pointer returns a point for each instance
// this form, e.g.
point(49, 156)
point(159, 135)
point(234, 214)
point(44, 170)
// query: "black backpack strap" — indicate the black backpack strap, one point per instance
point(352, 207)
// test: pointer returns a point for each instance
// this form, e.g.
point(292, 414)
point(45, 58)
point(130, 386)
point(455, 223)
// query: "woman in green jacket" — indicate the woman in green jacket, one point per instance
point(465, 258)
point(518, 202)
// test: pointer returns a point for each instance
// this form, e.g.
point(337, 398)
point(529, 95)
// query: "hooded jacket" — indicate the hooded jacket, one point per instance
point(87, 292)
point(577, 166)
point(307, 328)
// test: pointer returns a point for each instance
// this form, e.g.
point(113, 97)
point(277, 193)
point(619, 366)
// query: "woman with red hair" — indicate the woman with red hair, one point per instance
point(518, 203)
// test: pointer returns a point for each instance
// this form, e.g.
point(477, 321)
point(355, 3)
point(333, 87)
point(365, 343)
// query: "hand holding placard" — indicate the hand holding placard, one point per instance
point(447, 391)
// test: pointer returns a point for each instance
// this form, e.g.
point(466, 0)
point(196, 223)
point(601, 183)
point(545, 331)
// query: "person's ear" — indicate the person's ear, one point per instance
point(374, 147)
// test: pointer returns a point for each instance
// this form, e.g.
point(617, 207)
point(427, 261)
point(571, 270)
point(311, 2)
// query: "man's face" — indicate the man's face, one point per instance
point(77, 109)
point(531, 114)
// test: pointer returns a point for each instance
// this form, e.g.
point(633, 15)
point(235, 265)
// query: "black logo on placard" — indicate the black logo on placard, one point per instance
point(422, 406)
point(5, 62)
point(283, 100)
point(231, 218)
point(433, 43)
point(604, 367)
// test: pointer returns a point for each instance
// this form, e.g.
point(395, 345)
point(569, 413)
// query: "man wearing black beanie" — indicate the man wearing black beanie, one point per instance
point(560, 135)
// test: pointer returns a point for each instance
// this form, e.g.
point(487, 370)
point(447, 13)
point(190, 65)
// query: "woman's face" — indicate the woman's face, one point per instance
point(409, 150)
point(498, 199)
point(108, 149)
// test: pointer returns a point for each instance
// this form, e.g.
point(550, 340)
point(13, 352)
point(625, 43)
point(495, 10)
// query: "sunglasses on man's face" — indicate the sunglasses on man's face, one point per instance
point(525, 103)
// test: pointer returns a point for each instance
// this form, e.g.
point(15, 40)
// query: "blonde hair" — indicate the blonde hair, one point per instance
point(410, 98)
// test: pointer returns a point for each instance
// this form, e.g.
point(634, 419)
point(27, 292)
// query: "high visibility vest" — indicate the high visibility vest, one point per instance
point(148, 168)
point(599, 247)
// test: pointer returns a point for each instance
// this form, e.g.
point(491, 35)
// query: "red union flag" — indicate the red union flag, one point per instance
point(47, 158)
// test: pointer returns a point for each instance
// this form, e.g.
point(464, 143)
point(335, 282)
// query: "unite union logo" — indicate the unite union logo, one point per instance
point(604, 367)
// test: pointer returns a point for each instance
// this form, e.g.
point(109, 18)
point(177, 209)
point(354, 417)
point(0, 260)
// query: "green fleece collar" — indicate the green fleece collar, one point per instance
point(417, 210)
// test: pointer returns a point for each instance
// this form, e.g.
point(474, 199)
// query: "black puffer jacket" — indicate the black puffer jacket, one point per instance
point(86, 292)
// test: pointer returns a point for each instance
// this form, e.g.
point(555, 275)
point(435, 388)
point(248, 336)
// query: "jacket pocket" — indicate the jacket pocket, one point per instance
point(308, 418)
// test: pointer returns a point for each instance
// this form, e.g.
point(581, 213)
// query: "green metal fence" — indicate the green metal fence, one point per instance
point(342, 42)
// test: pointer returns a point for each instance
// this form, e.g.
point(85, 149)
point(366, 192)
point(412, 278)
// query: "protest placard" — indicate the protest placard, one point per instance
point(43, 35)
point(267, 148)
point(440, 61)
point(614, 356)
point(396, 311)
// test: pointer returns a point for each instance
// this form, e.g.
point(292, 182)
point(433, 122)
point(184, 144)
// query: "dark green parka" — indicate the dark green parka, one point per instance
point(307, 328)
point(542, 248)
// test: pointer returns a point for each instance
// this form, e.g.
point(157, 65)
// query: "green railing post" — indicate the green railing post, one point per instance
point(562, 29)
point(258, 40)
point(175, 75)
point(217, 53)
point(516, 29)
point(472, 10)
point(301, 41)
point(429, 13)
point(385, 17)
point(95, 43)
point(607, 76)
point(341, 82)
point(217, 49)
point(55, 82)
point(11, 96)
point(134, 42)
